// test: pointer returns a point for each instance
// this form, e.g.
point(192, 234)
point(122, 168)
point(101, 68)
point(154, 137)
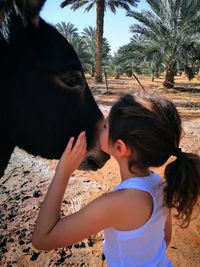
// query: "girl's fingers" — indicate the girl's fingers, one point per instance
point(80, 140)
point(79, 149)
point(81, 137)
point(83, 145)
point(70, 144)
point(79, 146)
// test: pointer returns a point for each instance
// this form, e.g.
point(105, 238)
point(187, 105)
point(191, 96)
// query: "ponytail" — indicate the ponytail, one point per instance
point(183, 185)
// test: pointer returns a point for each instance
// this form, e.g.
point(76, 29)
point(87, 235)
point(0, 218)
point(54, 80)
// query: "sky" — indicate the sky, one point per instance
point(116, 26)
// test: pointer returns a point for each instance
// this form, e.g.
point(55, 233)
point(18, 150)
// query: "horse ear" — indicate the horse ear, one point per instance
point(29, 10)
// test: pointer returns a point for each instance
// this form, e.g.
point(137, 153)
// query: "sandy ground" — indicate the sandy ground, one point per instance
point(27, 177)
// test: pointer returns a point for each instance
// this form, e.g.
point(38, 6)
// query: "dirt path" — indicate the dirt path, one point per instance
point(27, 177)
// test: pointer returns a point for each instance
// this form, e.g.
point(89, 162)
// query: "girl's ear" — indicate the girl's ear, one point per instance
point(121, 149)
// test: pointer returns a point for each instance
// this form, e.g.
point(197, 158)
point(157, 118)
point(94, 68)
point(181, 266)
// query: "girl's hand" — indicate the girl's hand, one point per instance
point(72, 156)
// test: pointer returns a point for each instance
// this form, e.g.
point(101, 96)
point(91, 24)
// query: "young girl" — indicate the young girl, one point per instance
point(141, 132)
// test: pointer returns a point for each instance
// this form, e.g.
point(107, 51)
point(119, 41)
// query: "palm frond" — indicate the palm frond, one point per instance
point(124, 4)
point(67, 30)
point(89, 7)
point(75, 4)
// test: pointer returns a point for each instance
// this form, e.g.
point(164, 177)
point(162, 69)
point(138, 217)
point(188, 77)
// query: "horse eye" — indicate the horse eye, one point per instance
point(73, 80)
point(70, 81)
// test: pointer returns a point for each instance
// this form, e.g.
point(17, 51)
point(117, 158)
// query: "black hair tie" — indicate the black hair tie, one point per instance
point(177, 152)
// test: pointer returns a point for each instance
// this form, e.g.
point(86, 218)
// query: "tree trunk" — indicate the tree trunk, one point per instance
point(100, 8)
point(129, 74)
point(169, 78)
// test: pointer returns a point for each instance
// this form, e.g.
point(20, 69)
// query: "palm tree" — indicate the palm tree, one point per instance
point(70, 32)
point(81, 49)
point(115, 66)
point(190, 61)
point(89, 37)
point(171, 26)
point(142, 56)
point(101, 6)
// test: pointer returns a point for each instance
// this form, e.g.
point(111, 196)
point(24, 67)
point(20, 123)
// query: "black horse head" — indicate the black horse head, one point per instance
point(44, 97)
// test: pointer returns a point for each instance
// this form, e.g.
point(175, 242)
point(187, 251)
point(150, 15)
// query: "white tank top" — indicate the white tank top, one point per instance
point(144, 246)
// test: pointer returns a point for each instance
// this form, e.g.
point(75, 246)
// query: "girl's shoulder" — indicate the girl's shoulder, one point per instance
point(138, 198)
point(146, 183)
point(134, 208)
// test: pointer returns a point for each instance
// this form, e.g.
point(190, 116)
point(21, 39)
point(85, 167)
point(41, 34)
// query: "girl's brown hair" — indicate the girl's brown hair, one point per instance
point(151, 127)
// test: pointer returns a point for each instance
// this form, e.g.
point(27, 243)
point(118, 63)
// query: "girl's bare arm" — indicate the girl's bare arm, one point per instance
point(168, 229)
point(51, 231)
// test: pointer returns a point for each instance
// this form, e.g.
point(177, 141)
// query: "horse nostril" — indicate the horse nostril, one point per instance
point(106, 156)
point(89, 164)
point(102, 160)
point(93, 163)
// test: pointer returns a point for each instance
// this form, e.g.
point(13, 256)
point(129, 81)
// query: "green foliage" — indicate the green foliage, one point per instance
point(101, 7)
point(67, 30)
point(169, 34)
point(114, 66)
point(166, 39)
point(70, 32)
point(84, 44)
point(110, 4)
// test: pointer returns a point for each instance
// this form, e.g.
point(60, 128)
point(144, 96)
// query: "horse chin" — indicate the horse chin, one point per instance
point(94, 162)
